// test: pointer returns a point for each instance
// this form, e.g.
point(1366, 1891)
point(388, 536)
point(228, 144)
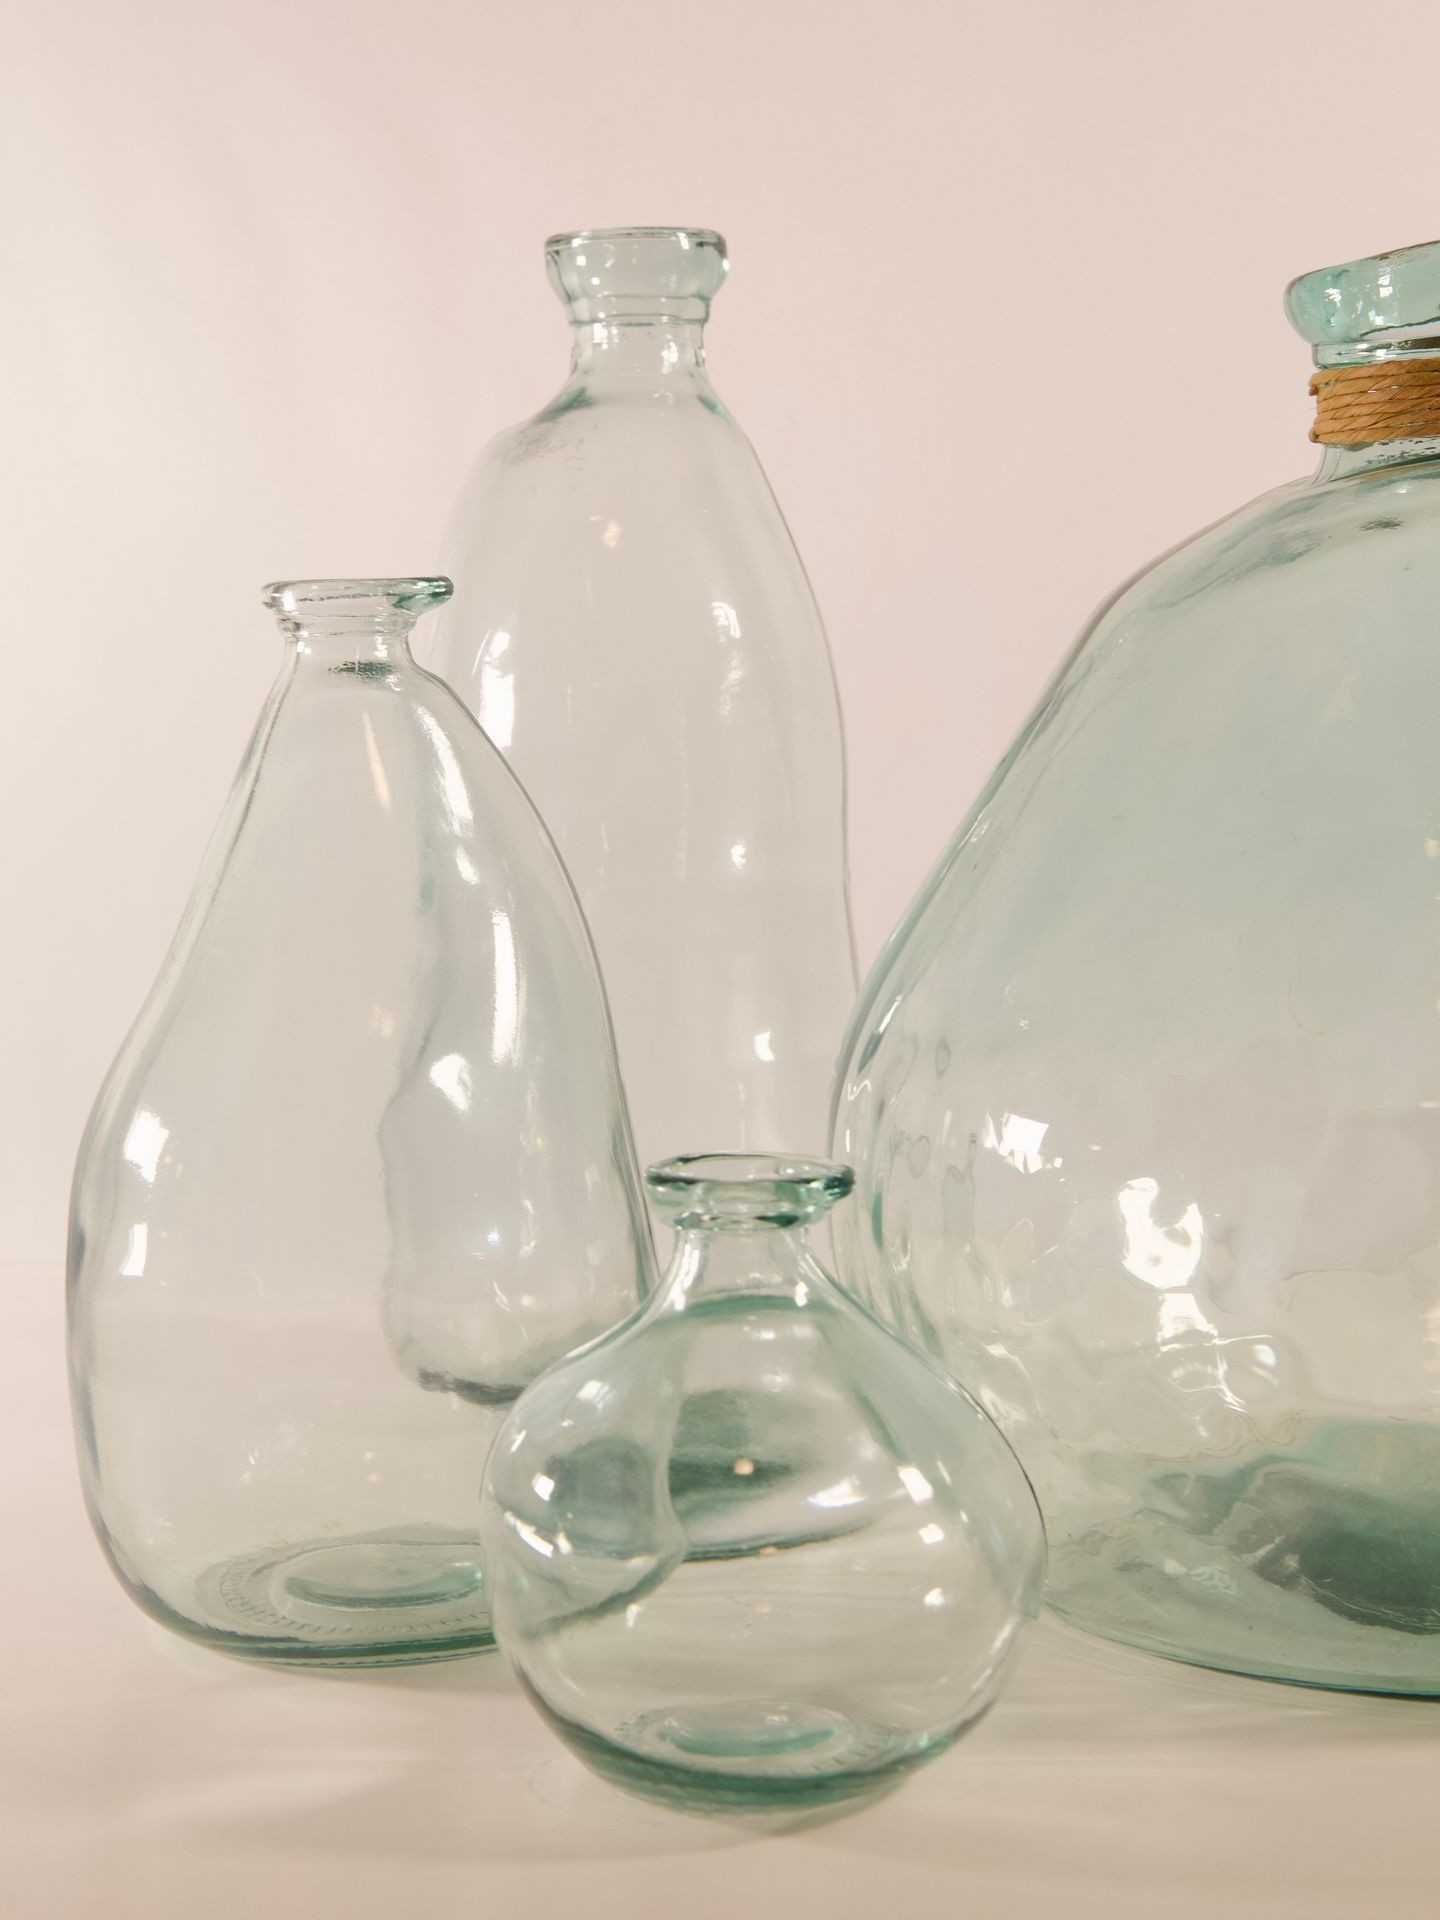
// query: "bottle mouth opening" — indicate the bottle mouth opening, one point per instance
point(637, 273)
point(746, 1189)
point(411, 594)
point(684, 238)
point(1385, 307)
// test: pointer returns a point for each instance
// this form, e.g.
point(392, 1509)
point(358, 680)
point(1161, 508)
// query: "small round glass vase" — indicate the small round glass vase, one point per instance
point(750, 1549)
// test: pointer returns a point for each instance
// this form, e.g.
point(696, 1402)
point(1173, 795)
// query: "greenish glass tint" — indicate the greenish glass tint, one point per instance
point(634, 630)
point(366, 1139)
point(749, 1549)
point(1366, 310)
point(1144, 1094)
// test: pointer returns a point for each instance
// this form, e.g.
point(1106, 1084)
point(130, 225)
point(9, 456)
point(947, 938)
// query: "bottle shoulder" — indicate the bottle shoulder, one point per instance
point(1263, 628)
point(369, 810)
point(585, 426)
point(1355, 528)
point(647, 519)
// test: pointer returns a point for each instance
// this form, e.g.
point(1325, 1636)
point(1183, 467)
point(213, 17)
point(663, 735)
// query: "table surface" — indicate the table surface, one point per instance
point(142, 1777)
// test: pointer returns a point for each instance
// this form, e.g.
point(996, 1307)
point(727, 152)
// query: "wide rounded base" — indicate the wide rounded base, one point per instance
point(1280, 1567)
point(746, 1756)
point(1232, 1659)
point(392, 1597)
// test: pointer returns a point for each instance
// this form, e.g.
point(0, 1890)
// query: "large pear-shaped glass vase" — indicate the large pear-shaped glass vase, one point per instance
point(634, 629)
point(1145, 1094)
point(360, 1171)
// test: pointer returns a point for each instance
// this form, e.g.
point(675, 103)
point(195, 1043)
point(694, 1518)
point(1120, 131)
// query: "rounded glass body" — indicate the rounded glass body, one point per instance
point(634, 629)
point(366, 1139)
point(749, 1548)
point(1145, 1092)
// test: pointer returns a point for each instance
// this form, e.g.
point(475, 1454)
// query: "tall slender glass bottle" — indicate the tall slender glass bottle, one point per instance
point(634, 629)
point(367, 1136)
point(1145, 1093)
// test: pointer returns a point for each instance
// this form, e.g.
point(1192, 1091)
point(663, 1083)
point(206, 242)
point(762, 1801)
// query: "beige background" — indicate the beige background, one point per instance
point(1004, 321)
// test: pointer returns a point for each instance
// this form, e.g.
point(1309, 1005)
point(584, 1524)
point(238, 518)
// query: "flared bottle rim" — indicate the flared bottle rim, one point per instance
point(408, 593)
point(1366, 309)
point(745, 1189)
point(637, 273)
point(687, 237)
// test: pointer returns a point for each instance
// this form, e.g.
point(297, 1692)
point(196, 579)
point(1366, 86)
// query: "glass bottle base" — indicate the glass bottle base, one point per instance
point(1318, 1565)
point(750, 1755)
point(393, 1597)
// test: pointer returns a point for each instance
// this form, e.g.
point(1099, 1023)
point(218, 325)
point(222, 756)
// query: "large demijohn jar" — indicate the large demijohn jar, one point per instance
point(359, 1173)
point(1145, 1093)
point(634, 629)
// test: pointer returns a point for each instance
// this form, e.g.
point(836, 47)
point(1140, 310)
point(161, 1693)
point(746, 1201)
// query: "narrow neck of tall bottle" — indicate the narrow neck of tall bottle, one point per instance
point(342, 642)
point(662, 348)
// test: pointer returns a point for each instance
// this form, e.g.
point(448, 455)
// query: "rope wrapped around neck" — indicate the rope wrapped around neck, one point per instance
point(1378, 400)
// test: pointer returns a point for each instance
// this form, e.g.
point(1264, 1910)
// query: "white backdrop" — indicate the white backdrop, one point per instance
point(1004, 321)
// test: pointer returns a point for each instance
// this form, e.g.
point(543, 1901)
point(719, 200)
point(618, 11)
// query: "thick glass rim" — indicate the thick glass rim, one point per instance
point(408, 593)
point(1368, 308)
point(709, 1189)
point(587, 236)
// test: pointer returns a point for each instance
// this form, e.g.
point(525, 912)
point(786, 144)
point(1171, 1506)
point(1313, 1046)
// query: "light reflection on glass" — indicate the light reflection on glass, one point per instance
point(1162, 1256)
point(845, 1493)
point(497, 692)
point(144, 1143)
point(1018, 1140)
point(379, 779)
point(915, 1484)
point(506, 1022)
point(133, 1265)
point(531, 1538)
point(453, 791)
point(451, 1075)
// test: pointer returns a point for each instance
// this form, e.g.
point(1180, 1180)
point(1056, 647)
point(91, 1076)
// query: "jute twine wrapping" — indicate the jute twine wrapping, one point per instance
point(1383, 400)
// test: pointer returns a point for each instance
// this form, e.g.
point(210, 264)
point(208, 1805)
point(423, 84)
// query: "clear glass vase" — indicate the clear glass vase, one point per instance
point(634, 629)
point(749, 1549)
point(1145, 1092)
point(367, 1133)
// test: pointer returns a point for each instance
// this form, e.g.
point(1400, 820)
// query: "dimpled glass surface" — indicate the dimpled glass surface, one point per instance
point(1145, 1093)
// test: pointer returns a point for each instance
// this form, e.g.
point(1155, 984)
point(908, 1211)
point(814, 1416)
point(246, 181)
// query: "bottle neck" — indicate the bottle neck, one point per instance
point(338, 644)
point(662, 349)
point(1376, 409)
point(709, 1263)
point(1339, 463)
point(363, 625)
